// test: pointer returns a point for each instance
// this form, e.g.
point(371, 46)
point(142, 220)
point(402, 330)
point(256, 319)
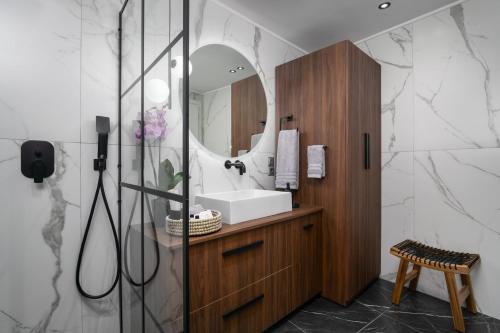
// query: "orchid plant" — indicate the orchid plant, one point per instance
point(155, 129)
point(155, 125)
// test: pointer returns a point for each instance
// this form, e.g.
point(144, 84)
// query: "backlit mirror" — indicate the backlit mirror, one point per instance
point(227, 102)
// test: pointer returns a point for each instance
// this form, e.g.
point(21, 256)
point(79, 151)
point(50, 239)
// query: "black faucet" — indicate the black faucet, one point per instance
point(237, 164)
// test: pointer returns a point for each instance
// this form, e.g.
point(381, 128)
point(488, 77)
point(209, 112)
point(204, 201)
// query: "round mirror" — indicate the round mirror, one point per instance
point(227, 102)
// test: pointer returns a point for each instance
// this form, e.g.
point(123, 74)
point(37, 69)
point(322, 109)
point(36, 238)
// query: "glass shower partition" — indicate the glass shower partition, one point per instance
point(153, 165)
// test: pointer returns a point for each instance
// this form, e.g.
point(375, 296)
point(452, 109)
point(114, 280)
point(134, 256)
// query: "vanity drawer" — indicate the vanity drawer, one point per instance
point(253, 255)
point(252, 309)
point(221, 267)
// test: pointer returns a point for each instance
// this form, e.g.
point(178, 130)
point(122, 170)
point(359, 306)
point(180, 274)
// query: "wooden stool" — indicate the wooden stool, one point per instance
point(450, 263)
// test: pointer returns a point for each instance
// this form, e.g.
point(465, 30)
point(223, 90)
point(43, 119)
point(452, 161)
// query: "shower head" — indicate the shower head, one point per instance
point(102, 125)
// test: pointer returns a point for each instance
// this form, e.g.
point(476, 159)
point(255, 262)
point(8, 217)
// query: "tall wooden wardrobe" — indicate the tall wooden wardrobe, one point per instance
point(334, 97)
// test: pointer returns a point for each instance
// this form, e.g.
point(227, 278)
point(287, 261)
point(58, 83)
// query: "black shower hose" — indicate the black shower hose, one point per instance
point(100, 188)
point(125, 245)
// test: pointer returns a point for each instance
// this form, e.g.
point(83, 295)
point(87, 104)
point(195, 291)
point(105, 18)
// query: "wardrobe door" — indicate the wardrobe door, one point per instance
point(363, 146)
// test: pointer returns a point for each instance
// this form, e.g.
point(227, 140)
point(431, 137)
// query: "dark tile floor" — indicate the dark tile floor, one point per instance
point(373, 312)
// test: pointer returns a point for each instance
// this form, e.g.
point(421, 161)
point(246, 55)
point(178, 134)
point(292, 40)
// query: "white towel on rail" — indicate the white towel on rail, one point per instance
point(287, 160)
point(316, 161)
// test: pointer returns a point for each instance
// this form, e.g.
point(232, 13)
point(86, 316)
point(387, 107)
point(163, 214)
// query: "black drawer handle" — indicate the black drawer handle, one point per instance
point(242, 249)
point(308, 226)
point(240, 308)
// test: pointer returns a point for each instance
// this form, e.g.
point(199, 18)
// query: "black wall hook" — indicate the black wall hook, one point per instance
point(37, 160)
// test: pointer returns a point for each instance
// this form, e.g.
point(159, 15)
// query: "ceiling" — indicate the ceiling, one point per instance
point(313, 24)
point(211, 65)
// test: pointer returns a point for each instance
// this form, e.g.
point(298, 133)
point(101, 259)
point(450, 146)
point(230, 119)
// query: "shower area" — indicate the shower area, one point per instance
point(153, 164)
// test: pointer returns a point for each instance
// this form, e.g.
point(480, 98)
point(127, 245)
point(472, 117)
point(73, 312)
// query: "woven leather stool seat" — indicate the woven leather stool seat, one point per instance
point(415, 252)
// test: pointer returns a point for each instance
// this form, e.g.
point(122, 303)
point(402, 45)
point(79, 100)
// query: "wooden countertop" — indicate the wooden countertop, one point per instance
point(170, 241)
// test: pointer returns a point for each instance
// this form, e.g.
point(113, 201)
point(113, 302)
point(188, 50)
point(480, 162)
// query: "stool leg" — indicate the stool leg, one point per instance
point(414, 282)
point(470, 300)
point(456, 310)
point(400, 281)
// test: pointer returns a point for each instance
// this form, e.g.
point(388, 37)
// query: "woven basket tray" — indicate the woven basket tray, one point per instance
point(197, 227)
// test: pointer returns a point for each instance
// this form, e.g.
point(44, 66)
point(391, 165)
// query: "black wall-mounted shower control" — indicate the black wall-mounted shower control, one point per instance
point(37, 160)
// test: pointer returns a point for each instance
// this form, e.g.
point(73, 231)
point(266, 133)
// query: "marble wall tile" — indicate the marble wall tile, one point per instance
point(99, 66)
point(397, 206)
point(99, 261)
point(40, 85)
point(394, 52)
point(259, 171)
point(131, 43)
point(456, 207)
point(457, 77)
point(157, 28)
point(39, 235)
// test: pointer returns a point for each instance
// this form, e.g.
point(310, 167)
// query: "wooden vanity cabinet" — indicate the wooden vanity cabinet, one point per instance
point(306, 259)
point(249, 280)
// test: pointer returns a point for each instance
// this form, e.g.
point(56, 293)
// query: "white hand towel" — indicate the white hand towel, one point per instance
point(287, 160)
point(316, 161)
point(254, 140)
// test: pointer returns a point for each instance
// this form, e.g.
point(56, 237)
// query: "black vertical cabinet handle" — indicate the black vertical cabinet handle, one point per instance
point(366, 139)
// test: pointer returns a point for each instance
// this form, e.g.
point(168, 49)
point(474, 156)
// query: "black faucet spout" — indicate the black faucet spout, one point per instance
point(237, 164)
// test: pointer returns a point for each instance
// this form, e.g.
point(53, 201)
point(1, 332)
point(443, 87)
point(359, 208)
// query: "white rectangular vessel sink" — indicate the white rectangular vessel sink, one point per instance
point(244, 205)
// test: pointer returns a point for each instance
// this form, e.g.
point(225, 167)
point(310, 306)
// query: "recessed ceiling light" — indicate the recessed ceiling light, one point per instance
point(240, 68)
point(384, 5)
point(232, 71)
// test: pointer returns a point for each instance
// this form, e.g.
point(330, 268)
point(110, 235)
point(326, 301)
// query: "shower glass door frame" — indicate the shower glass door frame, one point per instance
point(141, 188)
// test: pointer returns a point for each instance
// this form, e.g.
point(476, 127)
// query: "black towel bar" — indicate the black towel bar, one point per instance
point(286, 119)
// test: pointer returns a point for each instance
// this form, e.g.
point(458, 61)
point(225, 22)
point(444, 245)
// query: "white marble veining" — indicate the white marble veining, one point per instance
point(397, 206)
point(457, 78)
point(99, 72)
point(394, 51)
point(456, 207)
point(440, 130)
point(39, 236)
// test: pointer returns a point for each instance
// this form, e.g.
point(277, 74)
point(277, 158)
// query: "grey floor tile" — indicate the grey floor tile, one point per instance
point(378, 296)
point(373, 312)
point(425, 323)
point(286, 327)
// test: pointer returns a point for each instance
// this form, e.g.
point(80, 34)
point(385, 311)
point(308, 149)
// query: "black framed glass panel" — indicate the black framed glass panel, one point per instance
point(153, 167)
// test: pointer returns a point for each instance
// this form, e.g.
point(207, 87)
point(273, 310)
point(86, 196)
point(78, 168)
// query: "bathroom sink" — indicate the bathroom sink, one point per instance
point(244, 205)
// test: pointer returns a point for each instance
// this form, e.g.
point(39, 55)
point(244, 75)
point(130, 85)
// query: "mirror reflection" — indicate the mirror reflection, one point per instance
point(228, 108)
